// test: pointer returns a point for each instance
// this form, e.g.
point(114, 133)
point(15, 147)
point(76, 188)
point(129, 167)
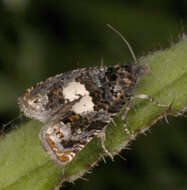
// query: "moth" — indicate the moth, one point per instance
point(76, 106)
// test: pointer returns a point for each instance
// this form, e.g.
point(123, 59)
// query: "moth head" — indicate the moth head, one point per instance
point(33, 105)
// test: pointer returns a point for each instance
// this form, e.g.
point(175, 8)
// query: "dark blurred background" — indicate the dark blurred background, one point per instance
point(39, 39)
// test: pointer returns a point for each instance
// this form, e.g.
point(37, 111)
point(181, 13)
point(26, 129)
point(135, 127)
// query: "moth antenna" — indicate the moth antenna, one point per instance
point(126, 42)
point(10, 122)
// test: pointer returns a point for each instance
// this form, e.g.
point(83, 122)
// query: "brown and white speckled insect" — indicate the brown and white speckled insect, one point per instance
point(78, 105)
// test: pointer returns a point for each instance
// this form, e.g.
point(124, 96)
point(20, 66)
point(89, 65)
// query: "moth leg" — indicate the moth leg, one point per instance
point(124, 116)
point(113, 122)
point(180, 113)
point(150, 99)
point(102, 136)
point(138, 96)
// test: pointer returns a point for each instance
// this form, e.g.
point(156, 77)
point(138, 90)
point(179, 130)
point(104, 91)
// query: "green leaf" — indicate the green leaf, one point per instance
point(25, 165)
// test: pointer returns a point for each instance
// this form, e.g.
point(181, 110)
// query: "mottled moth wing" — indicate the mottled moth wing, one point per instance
point(64, 138)
point(78, 105)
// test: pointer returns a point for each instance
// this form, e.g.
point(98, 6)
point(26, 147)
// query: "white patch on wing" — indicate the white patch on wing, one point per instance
point(84, 105)
point(74, 90)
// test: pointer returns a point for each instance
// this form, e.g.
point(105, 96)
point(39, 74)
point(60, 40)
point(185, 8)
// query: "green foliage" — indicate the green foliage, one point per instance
point(42, 38)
